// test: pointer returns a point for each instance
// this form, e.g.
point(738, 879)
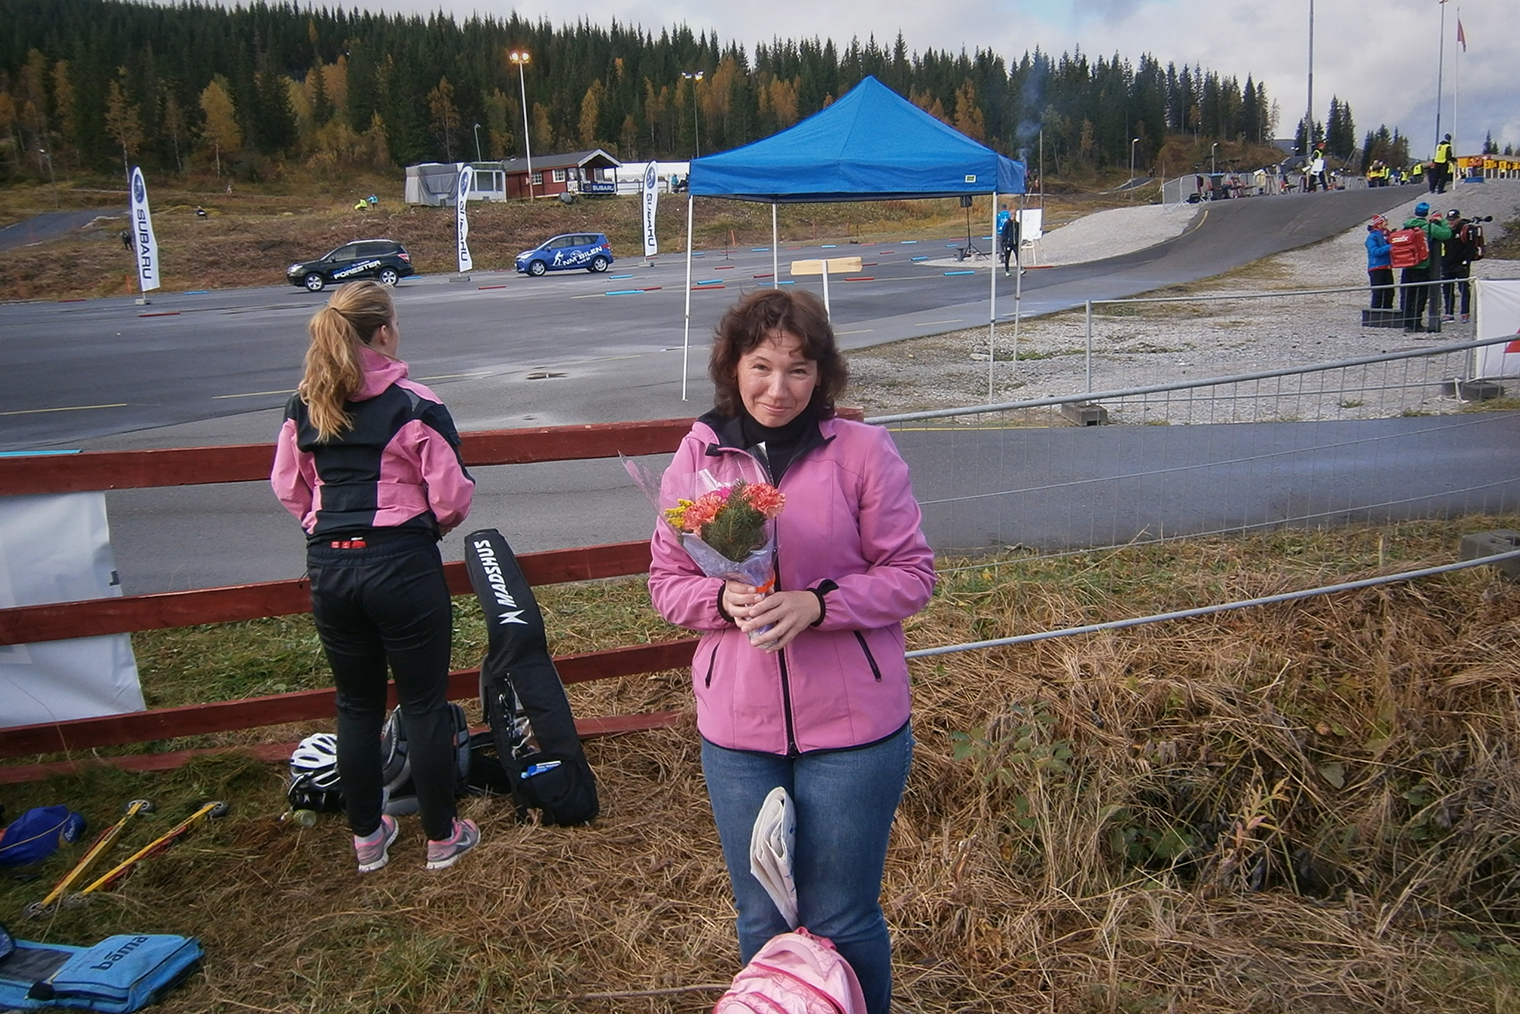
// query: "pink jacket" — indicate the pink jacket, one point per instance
point(850, 519)
point(400, 459)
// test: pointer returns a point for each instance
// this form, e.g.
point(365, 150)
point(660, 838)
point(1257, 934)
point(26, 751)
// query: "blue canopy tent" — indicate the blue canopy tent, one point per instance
point(870, 145)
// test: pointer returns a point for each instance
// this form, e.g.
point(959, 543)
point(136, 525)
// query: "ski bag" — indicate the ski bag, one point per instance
point(120, 974)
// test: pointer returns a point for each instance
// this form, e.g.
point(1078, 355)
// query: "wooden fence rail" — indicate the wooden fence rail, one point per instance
point(106, 470)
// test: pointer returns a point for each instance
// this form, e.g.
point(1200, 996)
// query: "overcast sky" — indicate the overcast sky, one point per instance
point(1379, 56)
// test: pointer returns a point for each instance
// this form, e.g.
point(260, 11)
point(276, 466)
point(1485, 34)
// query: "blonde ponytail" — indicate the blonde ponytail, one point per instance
point(333, 372)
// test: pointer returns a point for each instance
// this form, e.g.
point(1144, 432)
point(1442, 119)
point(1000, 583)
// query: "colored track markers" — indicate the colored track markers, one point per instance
point(960, 272)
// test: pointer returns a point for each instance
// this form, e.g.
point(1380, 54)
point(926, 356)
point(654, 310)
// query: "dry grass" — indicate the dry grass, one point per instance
point(250, 236)
point(1309, 807)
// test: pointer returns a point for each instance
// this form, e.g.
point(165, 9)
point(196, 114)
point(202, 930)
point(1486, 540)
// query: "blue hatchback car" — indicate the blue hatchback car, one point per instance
point(589, 250)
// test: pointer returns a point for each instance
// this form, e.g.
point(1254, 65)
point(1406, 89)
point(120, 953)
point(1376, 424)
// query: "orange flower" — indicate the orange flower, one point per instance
point(765, 498)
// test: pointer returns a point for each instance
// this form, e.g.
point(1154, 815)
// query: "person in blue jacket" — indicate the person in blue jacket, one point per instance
point(1380, 264)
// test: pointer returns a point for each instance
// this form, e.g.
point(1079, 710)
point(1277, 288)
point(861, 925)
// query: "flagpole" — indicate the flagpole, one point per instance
point(1456, 83)
point(1440, 70)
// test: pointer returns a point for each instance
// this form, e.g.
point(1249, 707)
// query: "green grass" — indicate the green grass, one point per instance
point(1093, 790)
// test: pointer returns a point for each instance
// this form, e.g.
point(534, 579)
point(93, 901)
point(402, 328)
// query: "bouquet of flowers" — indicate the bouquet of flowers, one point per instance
point(727, 528)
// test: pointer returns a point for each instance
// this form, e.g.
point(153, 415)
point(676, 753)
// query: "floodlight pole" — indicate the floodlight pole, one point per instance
point(521, 57)
point(1133, 141)
point(1440, 72)
point(477, 143)
point(1309, 114)
point(52, 180)
point(696, 136)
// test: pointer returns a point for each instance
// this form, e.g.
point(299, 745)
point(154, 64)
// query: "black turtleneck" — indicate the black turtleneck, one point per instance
point(781, 442)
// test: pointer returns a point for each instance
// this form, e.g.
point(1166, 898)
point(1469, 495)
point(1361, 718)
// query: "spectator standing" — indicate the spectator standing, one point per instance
point(1414, 282)
point(1380, 264)
point(804, 687)
point(368, 461)
point(1456, 268)
point(1440, 166)
point(1008, 238)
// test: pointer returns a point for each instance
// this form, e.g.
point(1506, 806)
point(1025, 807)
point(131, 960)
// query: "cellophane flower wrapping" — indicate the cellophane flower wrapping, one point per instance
point(727, 527)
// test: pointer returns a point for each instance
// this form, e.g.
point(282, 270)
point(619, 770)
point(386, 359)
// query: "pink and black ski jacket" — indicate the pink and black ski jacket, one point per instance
point(850, 528)
point(399, 466)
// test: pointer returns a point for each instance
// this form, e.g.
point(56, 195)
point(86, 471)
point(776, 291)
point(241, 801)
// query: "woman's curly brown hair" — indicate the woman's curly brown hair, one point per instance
point(758, 317)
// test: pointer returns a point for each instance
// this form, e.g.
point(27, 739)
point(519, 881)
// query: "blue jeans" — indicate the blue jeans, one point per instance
point(845, 802)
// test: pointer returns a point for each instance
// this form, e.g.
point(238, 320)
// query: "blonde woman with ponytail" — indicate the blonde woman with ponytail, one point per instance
point(368, 461)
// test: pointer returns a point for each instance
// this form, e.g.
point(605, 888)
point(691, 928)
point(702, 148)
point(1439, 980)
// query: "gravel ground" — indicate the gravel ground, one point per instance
point(1145, 344)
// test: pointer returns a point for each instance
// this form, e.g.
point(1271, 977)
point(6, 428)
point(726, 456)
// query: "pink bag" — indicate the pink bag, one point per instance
point(794, 973)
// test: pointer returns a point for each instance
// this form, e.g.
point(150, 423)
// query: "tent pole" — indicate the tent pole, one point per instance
point(775, 256)
point(992, 323)
point(686, 338)
point(1018, 287)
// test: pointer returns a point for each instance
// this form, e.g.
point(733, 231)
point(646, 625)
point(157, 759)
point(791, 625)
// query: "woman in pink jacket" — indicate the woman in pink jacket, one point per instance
point(819, 704)
point(368, 461)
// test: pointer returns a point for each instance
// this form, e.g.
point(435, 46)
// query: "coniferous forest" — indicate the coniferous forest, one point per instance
point(91, 85)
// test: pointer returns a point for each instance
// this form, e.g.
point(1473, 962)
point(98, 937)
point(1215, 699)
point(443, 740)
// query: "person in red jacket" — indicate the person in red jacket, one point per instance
point(818, 704)
point(1415, 282)
point(368, 461)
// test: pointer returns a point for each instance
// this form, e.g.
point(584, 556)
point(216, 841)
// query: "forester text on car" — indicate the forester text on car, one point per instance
point(384, 260)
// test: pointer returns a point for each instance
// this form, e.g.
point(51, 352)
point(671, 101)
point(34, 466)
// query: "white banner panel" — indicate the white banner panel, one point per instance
point(1498, 314)
point(57, 548)
point(461, 198)
point(1031, 224)
point(144, 245)
point(650, 197)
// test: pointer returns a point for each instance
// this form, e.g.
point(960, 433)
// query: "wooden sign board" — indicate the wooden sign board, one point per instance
point(835, 266)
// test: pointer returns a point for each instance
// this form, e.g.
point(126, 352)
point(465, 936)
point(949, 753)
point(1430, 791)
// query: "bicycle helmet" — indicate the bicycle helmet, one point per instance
point(314, 783)
point(316, 758)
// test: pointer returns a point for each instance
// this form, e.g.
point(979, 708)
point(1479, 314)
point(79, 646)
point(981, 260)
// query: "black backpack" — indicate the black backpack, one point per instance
point(521, 696)
point(323, 791)
point(400, 794)
point(1472, 236)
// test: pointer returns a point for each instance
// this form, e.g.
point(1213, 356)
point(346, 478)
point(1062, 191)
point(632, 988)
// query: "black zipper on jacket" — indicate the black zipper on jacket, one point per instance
point(786, 680)
point(866, 649)
point(786, 685)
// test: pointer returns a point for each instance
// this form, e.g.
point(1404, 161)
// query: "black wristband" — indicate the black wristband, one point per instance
point(824, 587)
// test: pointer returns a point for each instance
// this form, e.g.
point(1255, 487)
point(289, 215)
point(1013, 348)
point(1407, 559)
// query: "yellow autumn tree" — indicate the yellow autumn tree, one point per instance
point(968, 113)
point(591, 111)
point(221, 120)
point(123, 121)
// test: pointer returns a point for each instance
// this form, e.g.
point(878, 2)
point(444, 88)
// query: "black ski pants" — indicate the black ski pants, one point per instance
point(380, 606)
point(1414, 295)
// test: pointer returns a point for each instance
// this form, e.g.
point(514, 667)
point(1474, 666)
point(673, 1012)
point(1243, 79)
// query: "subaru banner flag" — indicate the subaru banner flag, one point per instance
point(651, 246)
point(144, 245)
point(461, 198)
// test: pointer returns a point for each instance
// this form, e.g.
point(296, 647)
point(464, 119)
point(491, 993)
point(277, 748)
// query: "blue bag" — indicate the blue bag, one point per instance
point(34, 835)
point(120, 974)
